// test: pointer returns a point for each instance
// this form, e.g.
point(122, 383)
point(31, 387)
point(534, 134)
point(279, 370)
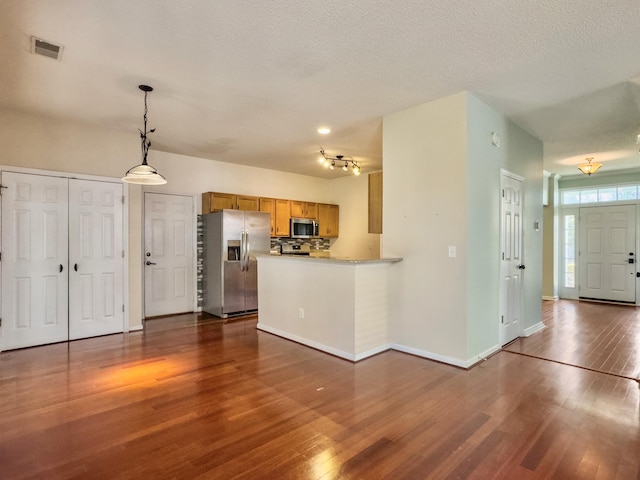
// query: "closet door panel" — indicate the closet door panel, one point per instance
point(96, 258)
point(34, 260)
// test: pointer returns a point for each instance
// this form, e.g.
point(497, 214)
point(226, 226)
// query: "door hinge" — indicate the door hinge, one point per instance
point(503, 255)
point(502, 319)
point(123, 308)
point(122, 253)
point(123, 199)
point(503, 193)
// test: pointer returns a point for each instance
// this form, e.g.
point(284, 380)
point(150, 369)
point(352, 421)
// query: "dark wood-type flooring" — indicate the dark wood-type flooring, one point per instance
point(597, 336)
point(195, 398)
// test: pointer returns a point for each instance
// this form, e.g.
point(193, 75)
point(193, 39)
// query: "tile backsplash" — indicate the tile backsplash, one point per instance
point(314, 243)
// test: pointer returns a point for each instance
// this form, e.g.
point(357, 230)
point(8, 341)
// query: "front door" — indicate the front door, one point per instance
point(511, 258)
point(168, 255)
point(96, 258)
point(607, 253)
point(34, 260)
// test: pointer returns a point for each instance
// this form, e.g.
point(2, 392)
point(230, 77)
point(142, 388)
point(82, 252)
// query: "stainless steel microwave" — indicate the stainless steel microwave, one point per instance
point(304, 228)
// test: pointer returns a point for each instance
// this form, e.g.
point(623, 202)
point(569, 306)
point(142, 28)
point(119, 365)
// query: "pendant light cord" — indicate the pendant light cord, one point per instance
point(143, 135)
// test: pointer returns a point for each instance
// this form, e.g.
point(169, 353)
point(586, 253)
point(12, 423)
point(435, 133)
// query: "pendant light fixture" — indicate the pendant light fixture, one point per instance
point(331, 162)
point(144, 174)
point(589, 168)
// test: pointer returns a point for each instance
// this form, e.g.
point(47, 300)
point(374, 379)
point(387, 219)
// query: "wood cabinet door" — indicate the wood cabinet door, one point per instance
point(297, 209)
point(375, 202)
point(221, 201)
point(311, 210)
point(246, 203)
point(328, 218)
point(269, 205)
point(283, 217)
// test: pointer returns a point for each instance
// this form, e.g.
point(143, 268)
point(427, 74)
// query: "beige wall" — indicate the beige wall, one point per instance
point(43, 143)
point(442, 184)
point(424, 212)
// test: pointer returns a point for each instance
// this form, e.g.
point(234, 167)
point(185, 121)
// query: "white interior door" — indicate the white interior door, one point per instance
point(168, 256)
point(607, 245)
point(34, 260)
point(511, 263)
point(95, 259)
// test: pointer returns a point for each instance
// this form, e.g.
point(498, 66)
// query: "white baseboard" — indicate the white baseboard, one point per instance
point(533, 329)
point(431, 356)
point(136, 328)
point(307, 342)
point(372, 352)
point(382, 348)
point(546, 297)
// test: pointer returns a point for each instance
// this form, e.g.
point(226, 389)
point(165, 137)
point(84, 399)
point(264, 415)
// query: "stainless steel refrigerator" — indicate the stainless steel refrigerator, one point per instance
point(232, 238)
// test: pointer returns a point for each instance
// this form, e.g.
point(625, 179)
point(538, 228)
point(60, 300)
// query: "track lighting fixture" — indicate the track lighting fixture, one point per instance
point(330, 162)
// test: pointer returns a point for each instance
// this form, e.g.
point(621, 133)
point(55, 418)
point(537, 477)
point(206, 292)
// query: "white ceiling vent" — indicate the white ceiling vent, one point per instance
point(48, 49)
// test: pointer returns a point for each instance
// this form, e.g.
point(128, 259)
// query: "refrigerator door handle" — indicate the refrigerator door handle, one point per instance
point(247, 248)
point(242, 248)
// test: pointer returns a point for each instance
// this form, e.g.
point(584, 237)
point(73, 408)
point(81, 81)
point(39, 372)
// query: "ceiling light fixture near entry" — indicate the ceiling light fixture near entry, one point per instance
point(324, 130)
point(330, 162)
point(589, 168)
point(144, 174)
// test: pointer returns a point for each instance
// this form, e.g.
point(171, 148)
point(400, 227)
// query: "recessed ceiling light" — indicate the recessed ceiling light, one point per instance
point(324, 130)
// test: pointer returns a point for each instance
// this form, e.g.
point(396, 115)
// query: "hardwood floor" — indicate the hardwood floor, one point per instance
point(200, 399)
point(597, 336)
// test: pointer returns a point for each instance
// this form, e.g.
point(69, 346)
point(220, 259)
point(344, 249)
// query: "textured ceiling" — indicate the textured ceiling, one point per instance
point(250, 82)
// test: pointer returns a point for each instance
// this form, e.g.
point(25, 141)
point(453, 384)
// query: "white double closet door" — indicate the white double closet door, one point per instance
point(62, 259)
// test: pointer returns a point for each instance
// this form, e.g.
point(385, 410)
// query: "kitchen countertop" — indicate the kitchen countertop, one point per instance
point(334, 260)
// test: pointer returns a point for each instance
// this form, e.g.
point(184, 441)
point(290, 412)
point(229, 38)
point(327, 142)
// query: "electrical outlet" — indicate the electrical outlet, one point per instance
point(452, 251)
point(301, 312)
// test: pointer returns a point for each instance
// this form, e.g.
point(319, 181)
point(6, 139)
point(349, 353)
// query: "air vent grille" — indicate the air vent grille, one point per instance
point(47, 49)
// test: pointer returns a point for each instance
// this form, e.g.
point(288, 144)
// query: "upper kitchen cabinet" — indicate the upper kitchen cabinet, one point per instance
point(375, 202)
point(215, 201)
point(283, 218)
point(329, 219)
point(304, 210)
point(269, 205)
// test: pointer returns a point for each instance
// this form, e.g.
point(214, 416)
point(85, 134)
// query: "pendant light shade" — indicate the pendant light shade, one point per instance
point(589, 168)
point(144, 174)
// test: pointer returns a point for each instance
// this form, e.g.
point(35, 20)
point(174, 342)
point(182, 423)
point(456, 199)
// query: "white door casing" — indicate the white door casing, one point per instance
point(34, 260)
point(168, 255)
point(607, 244)
point(511, 257)
point(96, 260)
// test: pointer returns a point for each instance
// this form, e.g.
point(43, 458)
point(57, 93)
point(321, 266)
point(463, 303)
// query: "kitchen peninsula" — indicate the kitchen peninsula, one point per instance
point(339, 306)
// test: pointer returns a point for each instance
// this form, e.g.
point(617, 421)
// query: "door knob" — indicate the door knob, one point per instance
point(149, 263)
point(521, 267)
